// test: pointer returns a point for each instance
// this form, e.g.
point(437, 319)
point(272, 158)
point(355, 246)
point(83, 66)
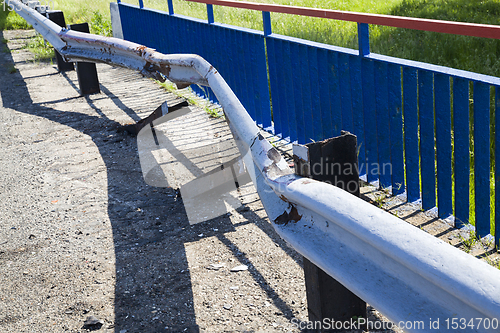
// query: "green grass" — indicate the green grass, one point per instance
point(77, 11)
point(213, 112)
point(96, 13)
point(9, 20)
point(42, 51)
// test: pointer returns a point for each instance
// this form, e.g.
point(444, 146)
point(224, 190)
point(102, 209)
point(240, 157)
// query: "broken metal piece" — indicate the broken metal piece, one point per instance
point(159, 112)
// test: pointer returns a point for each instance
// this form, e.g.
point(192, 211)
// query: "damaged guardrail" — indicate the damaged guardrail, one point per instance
point(413, 278)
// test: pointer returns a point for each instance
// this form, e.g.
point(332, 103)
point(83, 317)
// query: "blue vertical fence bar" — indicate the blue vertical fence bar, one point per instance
point(370, 120)
point(324, 92)
point(261, 84)
point(273, 78)
point(170, 7)
point(396, 128)
point(281, 93)
point(383, 127)
point(461, 150)
point(410, 114)
point(427, 152)
point(363, 39)
point(317, 130)
point(357, 110)
point(238, 67)
point(248, 61)
point(266, 22)
point(288, 87)
point(334, 92)
point(482, 157)
point(325, 113)
point(210, 14)
point(497, 168)
point(297, 93)
point(345, 96)
point(443, 144)
point(306, 86)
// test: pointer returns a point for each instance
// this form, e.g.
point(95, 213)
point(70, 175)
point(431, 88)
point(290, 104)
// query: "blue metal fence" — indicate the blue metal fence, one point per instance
point(400, 110)
point(237, 53)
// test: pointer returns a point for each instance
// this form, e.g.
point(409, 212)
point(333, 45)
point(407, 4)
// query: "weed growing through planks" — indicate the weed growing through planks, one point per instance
point(213, 112)
point(469, 241)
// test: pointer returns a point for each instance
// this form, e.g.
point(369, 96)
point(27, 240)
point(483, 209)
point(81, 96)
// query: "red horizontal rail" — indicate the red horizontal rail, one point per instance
point(448, 27)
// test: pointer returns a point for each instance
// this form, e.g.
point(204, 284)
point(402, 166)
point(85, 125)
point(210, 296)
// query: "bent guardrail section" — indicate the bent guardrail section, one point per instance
point(407, 274)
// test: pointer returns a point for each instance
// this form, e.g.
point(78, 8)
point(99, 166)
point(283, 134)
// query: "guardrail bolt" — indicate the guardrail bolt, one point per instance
point(334, 161)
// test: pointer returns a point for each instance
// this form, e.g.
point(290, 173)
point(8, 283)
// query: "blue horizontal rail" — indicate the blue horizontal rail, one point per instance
point(412, 119)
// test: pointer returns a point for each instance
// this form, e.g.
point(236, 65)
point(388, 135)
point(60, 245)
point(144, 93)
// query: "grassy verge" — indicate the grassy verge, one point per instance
point(9, 20)
point(96, 13)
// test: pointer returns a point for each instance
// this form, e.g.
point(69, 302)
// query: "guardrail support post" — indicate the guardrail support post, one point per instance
point(57, 17)
point(334, 161)
point(86, 71)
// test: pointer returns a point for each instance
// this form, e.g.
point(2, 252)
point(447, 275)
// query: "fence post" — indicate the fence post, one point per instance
point(266, 20)
point(86, 71)
point(210, 14)
point(334, 161)
point(363, 39)
point(170, 7)
point(57, 17)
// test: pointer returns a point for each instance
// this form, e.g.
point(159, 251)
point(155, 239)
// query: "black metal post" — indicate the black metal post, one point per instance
point(334, 161)
point(57, 17)
point(86, 71)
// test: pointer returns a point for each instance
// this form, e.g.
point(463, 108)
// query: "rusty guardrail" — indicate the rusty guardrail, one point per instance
point(415, 279)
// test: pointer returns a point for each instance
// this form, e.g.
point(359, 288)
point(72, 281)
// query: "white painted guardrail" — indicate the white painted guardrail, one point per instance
point(416, 280)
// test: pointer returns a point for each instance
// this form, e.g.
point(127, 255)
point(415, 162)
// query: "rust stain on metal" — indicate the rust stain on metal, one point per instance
point(287, 217)
point(141, 50)
point(165, 69)
point(282, 197)
point(213, 68)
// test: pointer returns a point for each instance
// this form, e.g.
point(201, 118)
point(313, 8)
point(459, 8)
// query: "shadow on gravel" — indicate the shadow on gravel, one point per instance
point(152, 273)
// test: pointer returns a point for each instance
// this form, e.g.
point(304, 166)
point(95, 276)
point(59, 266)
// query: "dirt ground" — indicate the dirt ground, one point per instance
point(82, 234)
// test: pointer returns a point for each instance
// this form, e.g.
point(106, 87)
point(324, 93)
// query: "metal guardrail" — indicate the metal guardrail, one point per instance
point(410, 276)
